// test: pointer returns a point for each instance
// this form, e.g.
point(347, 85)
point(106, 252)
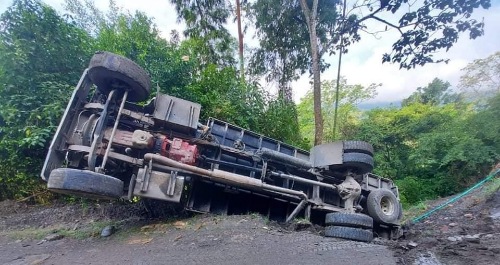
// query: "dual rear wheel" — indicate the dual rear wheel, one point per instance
point(352, 226)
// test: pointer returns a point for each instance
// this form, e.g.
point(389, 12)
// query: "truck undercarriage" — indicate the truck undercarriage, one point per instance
point(109, 147)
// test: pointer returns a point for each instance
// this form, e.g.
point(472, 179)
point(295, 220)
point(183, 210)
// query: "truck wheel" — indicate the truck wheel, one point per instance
point(349, 219)
point(358, 147)
point(361, 163)
point(383, 206)
point(349, 233)
point(109, 71)
point(85, 183)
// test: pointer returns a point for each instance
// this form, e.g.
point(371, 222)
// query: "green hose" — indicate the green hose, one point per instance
point(479, 184)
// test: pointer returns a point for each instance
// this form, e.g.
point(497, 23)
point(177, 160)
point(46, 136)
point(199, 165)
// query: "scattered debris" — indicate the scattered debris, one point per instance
point(30, 259)
point(472, 238)
point(180, 225)
point(199, 226)
point(153, 227)
point(53, 237)
point(454, 238)
point(139, 241)
point(463, 233)
point(107, 231)
point(412, 244)
point(242, 220)
point(427, 259)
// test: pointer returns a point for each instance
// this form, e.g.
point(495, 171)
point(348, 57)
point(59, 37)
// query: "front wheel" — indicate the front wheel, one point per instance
point(85, 183)
point(109, 71)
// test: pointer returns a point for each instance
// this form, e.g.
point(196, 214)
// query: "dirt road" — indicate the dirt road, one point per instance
point(204, 240)
point(467, 232)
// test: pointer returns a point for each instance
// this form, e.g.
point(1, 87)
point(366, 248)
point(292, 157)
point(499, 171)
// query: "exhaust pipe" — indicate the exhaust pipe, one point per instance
point(224, 176)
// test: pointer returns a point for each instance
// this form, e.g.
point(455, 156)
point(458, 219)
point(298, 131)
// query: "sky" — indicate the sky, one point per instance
point(362, 64)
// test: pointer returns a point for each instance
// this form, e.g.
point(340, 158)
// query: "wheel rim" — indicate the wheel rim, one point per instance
point(387, 206)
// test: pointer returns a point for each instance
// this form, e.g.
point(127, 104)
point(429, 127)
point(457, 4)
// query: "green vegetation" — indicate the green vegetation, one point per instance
point(438, 142)
point(92, 229)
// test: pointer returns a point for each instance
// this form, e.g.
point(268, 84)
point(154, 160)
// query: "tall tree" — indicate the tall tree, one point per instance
point(282, 53)
point(435, 93)
point(87, 16)
point(311, 15)
point(349, 97)
point(482, 77)
point(285, 42)
point(424, 29)
point(206, 20)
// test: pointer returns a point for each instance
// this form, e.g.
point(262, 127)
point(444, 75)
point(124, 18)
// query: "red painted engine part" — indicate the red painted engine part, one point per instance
point(179, 150)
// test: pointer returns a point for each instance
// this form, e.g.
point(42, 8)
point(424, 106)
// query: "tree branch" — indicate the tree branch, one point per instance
point(370, 15)
point(387, 23)
point(306, 11)
point(314, 10)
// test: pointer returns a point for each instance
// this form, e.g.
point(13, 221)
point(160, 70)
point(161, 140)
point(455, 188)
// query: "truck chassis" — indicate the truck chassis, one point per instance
point(108, 147)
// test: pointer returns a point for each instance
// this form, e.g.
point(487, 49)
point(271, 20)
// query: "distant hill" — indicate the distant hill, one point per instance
point(373, 105)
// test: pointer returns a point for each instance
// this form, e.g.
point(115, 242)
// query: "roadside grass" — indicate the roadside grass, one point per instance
point(415, 210)
point(492, 187)
point(92, 229)
point(481, 194)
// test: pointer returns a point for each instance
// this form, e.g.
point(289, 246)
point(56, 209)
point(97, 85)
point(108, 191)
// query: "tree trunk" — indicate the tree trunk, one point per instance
point(240, 39)
point(311, 20)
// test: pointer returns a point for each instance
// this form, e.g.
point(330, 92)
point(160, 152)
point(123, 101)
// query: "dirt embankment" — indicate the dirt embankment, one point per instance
point(465, 232)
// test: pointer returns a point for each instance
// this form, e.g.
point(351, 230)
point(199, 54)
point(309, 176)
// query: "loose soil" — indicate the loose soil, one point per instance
point(465, 232)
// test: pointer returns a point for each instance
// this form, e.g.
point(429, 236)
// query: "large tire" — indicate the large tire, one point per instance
point(361, 163)
point(358, 147)
point(349, 233)
point(349, 219)
point(107, 70)
point(383, 206)
point(85, 183)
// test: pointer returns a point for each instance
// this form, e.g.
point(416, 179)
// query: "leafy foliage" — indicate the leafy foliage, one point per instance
point(41, 57)
point(482, 78)
point(433, 26)
point(280, 122)
point(434, 145)
point(349, 115)
point(283, 54)
point(43, 54)
point(327, 26)
point(431, 150)
point(436, 92)
point(205, 21)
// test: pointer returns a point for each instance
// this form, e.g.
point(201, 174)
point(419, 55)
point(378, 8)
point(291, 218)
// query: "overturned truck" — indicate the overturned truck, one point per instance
point(108, 147)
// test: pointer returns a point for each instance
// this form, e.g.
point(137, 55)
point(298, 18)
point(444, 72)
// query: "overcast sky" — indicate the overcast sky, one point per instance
point(362, 65)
